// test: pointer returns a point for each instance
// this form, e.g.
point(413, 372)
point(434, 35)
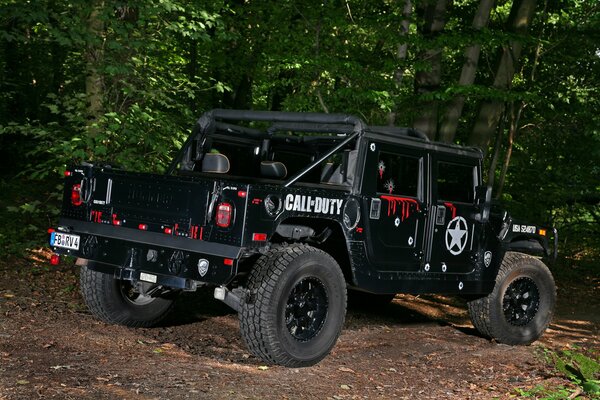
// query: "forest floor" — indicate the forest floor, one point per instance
point(414, 348)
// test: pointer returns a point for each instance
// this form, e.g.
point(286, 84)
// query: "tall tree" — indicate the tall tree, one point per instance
point(454, 109)
point(401, 53)
point(428, 79)
point(94, 54)
point(490, 111)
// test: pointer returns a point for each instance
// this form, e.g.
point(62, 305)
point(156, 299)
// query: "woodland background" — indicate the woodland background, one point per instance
point(124, 81)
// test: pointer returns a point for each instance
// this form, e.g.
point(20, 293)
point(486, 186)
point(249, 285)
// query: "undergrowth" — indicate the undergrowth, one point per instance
point(579, 366)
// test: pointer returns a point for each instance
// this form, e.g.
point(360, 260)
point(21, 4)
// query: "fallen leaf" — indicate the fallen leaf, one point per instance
point(344, 369)
point(22, 382)
point(345, 387)
point(61, 367)
point(263, 368)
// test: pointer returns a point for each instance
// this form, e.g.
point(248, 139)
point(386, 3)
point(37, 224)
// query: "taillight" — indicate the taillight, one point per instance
point(259, 237)
point(76, 199)
point(224, 211)
point(54, 259)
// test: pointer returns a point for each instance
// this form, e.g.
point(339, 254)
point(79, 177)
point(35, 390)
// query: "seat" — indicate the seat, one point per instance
point(273, 169)
point(216, 163)
point(342, 174)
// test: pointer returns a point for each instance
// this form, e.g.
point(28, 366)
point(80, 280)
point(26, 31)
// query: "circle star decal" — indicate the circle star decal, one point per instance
point(457, 234)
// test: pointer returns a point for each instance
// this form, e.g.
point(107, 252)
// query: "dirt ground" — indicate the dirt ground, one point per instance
point(415, 348)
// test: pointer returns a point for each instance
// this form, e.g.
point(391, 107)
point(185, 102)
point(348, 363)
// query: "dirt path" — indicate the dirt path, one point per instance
point(50, 347)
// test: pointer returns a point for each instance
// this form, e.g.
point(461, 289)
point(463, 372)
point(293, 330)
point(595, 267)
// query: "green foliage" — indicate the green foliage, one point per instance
point(157, 65)
point(579, 368)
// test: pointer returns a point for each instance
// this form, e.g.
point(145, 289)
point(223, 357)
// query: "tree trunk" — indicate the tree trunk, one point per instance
point(94, 55)
point(490, 111)
point(514, 128)
point(427, 81)
point(192, 68)
point(467, 76)
point(401, 55)
point(496, 155)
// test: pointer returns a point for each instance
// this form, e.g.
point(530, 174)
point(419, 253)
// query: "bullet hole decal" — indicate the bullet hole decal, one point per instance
point(381, 169)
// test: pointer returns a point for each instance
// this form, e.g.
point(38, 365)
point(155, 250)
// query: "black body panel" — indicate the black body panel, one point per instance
point(397, 212)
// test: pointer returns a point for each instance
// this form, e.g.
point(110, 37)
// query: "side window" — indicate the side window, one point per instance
point(398, 174)
point(456, 182)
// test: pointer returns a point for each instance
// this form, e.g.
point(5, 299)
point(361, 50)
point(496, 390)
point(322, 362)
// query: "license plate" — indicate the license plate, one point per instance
point(64, 240)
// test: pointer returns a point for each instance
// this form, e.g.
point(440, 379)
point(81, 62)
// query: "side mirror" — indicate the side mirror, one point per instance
point(483, 199)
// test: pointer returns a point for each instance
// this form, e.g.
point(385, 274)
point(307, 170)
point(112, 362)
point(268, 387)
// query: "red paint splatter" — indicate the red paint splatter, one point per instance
point(452, 207)
point(407, 206)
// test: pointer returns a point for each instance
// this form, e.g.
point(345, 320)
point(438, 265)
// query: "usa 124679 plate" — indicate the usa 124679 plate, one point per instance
point(64, 240)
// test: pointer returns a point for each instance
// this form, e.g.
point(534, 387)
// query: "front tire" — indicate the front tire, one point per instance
point(296, 306)
point(520, 307)
point(114, 301)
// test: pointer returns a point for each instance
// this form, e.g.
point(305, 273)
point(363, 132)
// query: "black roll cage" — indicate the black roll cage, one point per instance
point(348, 127)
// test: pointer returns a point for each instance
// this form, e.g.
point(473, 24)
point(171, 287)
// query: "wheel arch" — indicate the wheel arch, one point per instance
point(328, 235)
point(528, 245)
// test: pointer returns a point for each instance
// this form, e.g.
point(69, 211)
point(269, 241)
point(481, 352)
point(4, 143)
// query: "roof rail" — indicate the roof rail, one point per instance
point(392, 130)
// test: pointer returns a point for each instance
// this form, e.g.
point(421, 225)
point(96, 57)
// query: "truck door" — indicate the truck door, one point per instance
point(453, 231)
point(394, 207)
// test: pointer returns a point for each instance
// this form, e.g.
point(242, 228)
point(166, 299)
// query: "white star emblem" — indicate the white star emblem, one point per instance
point(457, 234)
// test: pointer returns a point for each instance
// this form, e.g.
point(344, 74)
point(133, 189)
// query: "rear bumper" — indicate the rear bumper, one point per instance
point(139, 255)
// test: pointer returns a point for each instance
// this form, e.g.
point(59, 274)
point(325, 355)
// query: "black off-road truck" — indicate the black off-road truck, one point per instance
point(286, 213)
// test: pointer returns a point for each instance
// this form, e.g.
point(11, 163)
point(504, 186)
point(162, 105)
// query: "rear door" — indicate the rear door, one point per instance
point(453, 230)
point(394, 206)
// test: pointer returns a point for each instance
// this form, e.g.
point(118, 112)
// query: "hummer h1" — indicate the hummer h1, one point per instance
point(284, 214)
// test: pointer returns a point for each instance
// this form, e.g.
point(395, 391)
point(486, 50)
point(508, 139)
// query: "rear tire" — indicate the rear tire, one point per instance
point(296, 306)
point(520, 307)
point(114, 301)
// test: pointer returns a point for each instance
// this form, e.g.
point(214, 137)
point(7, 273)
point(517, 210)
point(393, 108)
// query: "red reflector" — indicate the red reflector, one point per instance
point(143, 227)
point(76, 195)
point(228, 261)
point(68, 173)
point(169, 231)
point(54, 259)
point(224, 211)
point(50, 230)
point(259, 237)
point(242, 193)
point(115, 221)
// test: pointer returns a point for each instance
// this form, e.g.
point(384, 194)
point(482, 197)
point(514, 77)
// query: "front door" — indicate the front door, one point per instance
point(454, 238)
point(393, 201)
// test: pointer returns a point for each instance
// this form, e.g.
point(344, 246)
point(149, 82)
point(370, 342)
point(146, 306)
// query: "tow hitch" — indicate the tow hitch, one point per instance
point(228, 297)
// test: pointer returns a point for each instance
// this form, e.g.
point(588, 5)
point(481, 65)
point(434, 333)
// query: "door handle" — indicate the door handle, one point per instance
point(440, 216)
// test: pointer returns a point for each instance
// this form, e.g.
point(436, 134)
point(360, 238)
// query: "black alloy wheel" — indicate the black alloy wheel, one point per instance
point(521, 301)
point(306, 309)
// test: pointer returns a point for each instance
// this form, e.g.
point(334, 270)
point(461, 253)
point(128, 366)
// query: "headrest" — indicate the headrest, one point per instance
point(216, 163)
point(273, 169)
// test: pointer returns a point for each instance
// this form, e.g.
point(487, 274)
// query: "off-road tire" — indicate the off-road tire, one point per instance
point(272, 294)
point(520, 279)
point(105, 298)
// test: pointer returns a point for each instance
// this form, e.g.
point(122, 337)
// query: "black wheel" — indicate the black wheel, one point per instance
point(520, 307)
point(115, 301)
point(296, 306)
